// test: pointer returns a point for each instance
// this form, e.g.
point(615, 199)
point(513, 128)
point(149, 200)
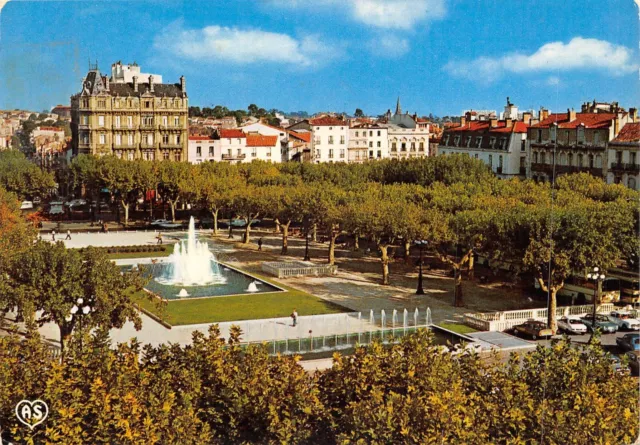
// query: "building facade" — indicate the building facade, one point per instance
point(501, 144)
point(137, 119)
point(623, 157)
point(574, 142)
point(233, 146)
point(368, 142)
point(329, 138)
point(203, 149)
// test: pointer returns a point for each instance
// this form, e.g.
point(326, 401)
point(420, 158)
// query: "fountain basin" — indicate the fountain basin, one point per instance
point(235, 282)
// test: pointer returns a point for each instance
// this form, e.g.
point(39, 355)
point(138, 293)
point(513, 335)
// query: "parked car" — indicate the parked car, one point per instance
point(37, 200)
point(165, 224)
point(55, 209)
point(76, 203)
point(625, 321)
point(629, 342)
point(26, 205)
point(533, 329)
point(572, 325)
point(602, 322)
point(634, 362)
point(238, 222)
point(616, 365)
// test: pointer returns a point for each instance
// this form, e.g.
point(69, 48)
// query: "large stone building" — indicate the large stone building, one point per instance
point(623, 157)
point(130, 119)
point(408, 135)
point(575, 142)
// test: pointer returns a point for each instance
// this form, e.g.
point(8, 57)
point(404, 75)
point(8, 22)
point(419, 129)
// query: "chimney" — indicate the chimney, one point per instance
point(494, 122)
point(544, 113)
point(633, 114)
point(571, 113)
point(526, 118)
point(135, 83)
point(508, 122)
point(151, 83)
point(463, 121)
point(183, 84)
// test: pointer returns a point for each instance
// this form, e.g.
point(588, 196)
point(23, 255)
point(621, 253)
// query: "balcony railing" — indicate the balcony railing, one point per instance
point(124, 146)
point(625, 167)
point(147, 126)
point(228, 157)
point(562, 169)
point(170, 145)
point(148, 146)
point(170, 127)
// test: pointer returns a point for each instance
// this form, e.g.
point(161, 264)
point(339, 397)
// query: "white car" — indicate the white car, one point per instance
point(26, 205)
point(625, 320)
point(572, 325)
point(76, 203)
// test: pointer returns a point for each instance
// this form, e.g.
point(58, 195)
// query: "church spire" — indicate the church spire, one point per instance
point(398, 107)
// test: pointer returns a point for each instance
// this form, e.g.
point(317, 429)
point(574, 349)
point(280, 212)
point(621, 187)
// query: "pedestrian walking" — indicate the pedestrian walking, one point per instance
point(294, 316)
point(159, 238)
point(260, 244)
point(53, 236)
point(68, 238)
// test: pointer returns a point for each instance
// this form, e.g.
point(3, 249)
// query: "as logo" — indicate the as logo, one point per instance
point(32, 413)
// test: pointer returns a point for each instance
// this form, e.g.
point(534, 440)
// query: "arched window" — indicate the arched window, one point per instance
point(563, 159)
point(598, 161)
point(580, 160)
point(631, 182)
point(570, 159)
point(590, 161)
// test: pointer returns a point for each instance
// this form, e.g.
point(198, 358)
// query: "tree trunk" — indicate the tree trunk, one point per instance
point(285, 238)
point(356, 241)
point(407, 252)
point(214, 213)
point(384, 259)
point(470, 267)
point(247, 233)
point(314, 233)
point(552, 322)
point(150, 209)
point(332, 248)
point(277, 221)
point(457, 291)
point(64, 338)
point(126, 213)
point(172, 205)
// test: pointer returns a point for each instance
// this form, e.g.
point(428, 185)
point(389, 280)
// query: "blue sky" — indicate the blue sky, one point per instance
point(439, 56)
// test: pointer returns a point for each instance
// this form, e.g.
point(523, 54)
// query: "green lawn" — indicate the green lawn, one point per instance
point(458, 328)
point(236, 308)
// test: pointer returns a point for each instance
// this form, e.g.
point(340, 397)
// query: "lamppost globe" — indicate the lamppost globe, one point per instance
point(596, 269)
point(80, 301)
point(589, 276)
point(68, 318)
point(74, 309)
point(86, 310)
point(602, 277)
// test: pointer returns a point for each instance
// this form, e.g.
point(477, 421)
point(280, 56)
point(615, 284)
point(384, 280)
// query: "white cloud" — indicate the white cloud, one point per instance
point(578, 54)
point(553, 81)
point(244, 46)
point(386, 14)
point(389, 46)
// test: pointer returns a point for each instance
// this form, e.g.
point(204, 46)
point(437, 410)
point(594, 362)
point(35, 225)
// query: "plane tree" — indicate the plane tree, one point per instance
point(215, 185)
point(173, 183)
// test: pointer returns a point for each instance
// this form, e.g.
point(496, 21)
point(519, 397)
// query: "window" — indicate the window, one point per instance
point(269, 152)
point(176, 121)
point(469, 141)
point(101, 121)
point(165, 139)
point(116, 104)
point(591, 164)
point(177, 138)
point(342, 153)
point(356, 134)
point(393, 146)
point(538, 135)
point(403, 147)
point(165, 121)
point(379, 154)
point(84, 103)
point(632, 158)
point(239, 151)
point(130, 139)
point(130, 156)
point(456, 141)
point(85, 139)
point(370, 144)
point(229, 141)
point(596, 137)
point(631, 182)
point(102, 138)
point(317, 153)
point(118, 139)
point(503, 143)
point(420, 147)
point(331, 153)
point(210, 150)
point(117, 118)
point(478, 141)
point(522, 145)
point(371, 133)
point(553, 130)
point(177, 157)
point(254, 152)
point(598, 161)
point(342, 139)
point(198, 151)
point(378, 144)
point(370, 154)
point(446, 140)
point(535, 157)
point(492, 142)
point(150, 139)
point(130, 121)
point(330, 139)
point(570, 159)
point(102, 103)
point(619, 157)
point(491, 161)
point(165, 155)
point(147, 104)
point(147, 120)
point(580, 160)
point(378, 132)
point(317, 140)
point(413, 146)
point(580, 134)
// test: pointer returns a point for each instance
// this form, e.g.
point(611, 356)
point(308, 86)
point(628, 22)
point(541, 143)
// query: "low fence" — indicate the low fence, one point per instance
point(283, 269)
point(501, 321)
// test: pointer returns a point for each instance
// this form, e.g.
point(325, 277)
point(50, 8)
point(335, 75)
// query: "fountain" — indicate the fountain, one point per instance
point(183, 293)
point(191, 263)
point(253, 287)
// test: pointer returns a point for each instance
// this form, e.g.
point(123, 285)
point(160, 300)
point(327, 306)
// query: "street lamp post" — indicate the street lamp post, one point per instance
point(421, 244)
point(597, 279)
point(79, 312)
point(306, 244)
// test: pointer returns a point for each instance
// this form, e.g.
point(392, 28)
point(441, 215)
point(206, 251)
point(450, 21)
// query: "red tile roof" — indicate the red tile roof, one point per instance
point(49, 129)
point(327, 121)
point(302, 136)
point(590, 120)
point(520, 127)
point(231, 133)
point(259, 140)
point(629, 133)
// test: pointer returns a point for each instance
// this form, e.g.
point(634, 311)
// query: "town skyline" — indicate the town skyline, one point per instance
point(377, 53)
